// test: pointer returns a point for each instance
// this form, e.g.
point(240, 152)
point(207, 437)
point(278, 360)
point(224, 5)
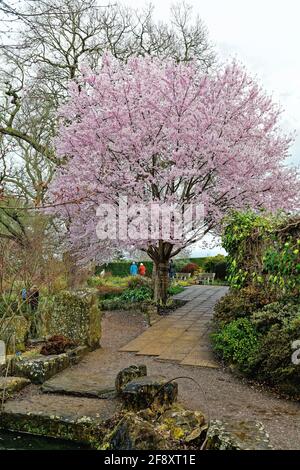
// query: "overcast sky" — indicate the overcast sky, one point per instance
point(265, 36)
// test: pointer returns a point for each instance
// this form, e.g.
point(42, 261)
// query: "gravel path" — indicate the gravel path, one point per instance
point(218, 395)
point(222, 394)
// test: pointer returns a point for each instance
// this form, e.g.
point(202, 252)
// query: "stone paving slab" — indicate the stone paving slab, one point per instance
point(183, 336)
point(65, 385)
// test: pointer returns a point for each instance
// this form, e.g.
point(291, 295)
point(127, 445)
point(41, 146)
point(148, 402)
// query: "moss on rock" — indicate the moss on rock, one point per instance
point(75, 315)
point(128, 374)
point(237, 435)
point(11, 385)
point(83, 430)
point(14, 332)
point(41, 368)
point(150, 391)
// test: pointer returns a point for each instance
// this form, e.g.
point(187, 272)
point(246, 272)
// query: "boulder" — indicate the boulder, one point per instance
point(237, 435)
point(41, 368)
point(128, 374)
point(14, 332)
point(148, 429)
point(150, 391)
point(183, 424)
point(133, 432)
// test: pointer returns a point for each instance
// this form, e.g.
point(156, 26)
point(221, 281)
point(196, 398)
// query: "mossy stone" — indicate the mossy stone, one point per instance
point(150, 391)
point(75, 314)
point(128, 374)
point(15, 331)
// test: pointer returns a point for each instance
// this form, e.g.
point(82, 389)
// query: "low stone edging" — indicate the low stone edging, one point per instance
point(41, 368)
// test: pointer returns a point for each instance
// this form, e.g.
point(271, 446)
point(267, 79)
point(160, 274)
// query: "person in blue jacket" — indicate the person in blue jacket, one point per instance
point(133, 269)
point(24, 294)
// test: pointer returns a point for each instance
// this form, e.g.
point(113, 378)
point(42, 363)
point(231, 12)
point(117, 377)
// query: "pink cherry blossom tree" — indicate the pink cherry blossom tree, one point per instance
point(165, 134)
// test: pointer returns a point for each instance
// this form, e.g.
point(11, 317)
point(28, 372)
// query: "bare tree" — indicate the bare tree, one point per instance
point(49, 40)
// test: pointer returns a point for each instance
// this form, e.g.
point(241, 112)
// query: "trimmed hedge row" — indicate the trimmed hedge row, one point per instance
point(216, 264)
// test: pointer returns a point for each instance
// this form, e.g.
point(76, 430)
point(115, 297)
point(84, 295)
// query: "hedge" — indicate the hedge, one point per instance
point(216, 264)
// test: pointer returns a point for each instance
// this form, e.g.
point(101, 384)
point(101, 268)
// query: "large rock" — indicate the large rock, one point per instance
point(133, 432)
point(75, 315)
point(14, 332)
point(175, 429)
point(128, 374)
point(151, 391)
point(183, 424)
point(237, 435)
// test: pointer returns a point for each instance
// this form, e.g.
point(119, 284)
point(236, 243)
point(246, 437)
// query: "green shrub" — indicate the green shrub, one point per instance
point(122, 268)
point(137, 295)
point(240, 303)
point(274, 357)
point(260, 345)
point(108, 292)
point(179, 263)
point(128, 299)
point(137, 282)
point(174, 289)
point(216, 264)
point(263, 250)
point(276, 313)
point(237, 343)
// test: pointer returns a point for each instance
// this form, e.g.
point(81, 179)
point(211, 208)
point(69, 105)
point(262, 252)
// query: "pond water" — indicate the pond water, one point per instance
point(16, 441)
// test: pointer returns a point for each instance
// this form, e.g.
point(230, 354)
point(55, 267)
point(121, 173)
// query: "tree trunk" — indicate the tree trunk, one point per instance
point(71, 269)
point(161, 282)
point(160, 255)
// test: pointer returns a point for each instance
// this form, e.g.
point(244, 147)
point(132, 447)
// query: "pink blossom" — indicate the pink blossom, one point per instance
point(160, 131)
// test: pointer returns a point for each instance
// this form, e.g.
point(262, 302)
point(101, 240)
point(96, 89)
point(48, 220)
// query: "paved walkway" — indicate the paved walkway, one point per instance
point(183, 336)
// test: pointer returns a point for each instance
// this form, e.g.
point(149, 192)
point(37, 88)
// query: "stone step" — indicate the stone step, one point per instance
point(87, 389)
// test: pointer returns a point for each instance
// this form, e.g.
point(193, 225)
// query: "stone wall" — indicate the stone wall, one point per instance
point(74, 314)
point(14, 332)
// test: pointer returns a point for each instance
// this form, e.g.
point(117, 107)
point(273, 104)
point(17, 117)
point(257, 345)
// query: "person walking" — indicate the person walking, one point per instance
point(133, 269)
point(142, 269)
point(171, 270)
point(33, 298)
point(24, 294)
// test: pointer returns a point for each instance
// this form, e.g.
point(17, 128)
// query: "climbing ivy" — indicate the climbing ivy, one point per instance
point(263, 250)
point(283, 264)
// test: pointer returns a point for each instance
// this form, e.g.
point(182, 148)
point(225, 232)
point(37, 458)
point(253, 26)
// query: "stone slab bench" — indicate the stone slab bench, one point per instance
point(182, 276)
point(206, 278)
